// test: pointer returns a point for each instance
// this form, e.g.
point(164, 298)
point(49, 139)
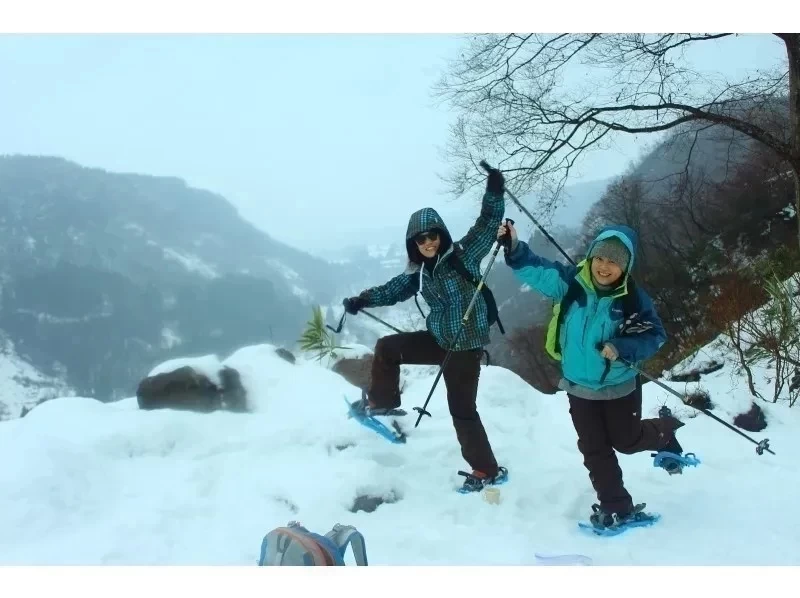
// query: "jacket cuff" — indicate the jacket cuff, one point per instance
point(515, 255)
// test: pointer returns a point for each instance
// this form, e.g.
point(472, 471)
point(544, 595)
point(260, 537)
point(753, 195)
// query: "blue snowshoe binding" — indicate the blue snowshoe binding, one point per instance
point(672, 459)
point(361, 407)
point(475, 483)
point(674, 463)
point(602, 523)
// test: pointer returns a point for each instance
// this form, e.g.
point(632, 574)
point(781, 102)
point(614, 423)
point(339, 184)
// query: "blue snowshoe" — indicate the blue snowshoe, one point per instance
point(602, 523)
point(671, 458)
point(674, 463)
point(363, 414)
point(476, 483)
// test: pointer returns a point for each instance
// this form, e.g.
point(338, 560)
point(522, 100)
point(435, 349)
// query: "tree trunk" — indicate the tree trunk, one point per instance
point(796, 173)
point(734, 331)
point(792, 41)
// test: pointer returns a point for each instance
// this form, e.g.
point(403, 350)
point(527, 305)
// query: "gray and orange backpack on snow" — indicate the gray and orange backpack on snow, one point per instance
point(294, 545)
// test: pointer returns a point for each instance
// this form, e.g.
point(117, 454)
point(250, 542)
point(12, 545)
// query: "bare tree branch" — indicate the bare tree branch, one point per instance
point(535, 104)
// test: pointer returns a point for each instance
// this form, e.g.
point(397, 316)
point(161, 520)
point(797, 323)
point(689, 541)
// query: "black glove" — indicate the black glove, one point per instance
point(352, 305)
point(505, 240)
point(495, 182)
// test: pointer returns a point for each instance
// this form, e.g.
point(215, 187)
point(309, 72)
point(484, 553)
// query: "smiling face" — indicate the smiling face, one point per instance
point(605, 271)
point(428, 243)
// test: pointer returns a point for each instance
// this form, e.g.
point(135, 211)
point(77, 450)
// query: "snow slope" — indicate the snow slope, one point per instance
point(84, 482)
point(21, 384)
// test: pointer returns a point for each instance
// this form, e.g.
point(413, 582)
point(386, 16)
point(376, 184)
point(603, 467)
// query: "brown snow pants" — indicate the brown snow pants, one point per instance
point(461, 380)
point(617, 424)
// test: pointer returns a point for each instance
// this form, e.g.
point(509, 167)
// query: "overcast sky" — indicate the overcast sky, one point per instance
point(301, 133)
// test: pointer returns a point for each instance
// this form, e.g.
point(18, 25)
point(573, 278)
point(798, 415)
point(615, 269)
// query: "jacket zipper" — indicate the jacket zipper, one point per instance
point(588, 320)
point(432, 285)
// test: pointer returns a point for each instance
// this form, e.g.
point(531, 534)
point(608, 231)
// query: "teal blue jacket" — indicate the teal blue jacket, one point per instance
point(595, 318)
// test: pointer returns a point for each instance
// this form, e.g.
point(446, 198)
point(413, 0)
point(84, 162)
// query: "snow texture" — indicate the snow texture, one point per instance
point(85, 482)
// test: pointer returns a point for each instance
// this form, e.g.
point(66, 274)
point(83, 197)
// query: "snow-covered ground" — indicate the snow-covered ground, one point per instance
point(84, 482)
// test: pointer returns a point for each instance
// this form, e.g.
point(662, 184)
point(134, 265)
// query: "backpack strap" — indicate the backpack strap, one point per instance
point(422, 313)
point(344, 535)
point(458, 264)
point(574, 291)
point(631, 324)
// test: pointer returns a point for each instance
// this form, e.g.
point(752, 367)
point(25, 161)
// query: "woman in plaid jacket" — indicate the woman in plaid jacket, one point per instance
point(430, 271)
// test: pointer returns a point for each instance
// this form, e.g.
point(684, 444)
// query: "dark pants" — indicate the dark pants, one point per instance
point(460, 377)
point(606, 426)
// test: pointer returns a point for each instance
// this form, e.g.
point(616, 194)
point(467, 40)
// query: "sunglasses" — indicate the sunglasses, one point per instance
point(421, 238)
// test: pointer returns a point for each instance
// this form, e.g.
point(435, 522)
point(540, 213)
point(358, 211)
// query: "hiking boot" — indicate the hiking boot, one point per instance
point(666, 413)
point(477, 480)
point(601, 519)
point(674, 447)
point(672, 458)
point(365, 407)
point(360, 406)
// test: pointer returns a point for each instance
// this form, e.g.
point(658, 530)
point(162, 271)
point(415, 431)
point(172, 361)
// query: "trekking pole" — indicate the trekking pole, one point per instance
point(760, 446)
point(422, 411)
point(522, 208)
point(338, 329)
point(377, 319)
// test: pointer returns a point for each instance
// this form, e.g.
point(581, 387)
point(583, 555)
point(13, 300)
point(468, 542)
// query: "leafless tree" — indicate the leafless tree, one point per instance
point(690, 224)
point(528, 104)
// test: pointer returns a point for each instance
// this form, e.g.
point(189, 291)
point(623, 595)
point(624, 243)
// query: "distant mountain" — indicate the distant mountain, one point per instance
point(104, 274)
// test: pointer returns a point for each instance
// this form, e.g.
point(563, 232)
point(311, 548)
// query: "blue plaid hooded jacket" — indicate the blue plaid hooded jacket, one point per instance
point(444, 289)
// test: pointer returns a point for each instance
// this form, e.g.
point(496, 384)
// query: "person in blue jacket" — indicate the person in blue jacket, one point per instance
point(601, 321)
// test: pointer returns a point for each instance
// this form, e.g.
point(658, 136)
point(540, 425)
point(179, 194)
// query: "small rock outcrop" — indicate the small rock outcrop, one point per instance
point(190, 390)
